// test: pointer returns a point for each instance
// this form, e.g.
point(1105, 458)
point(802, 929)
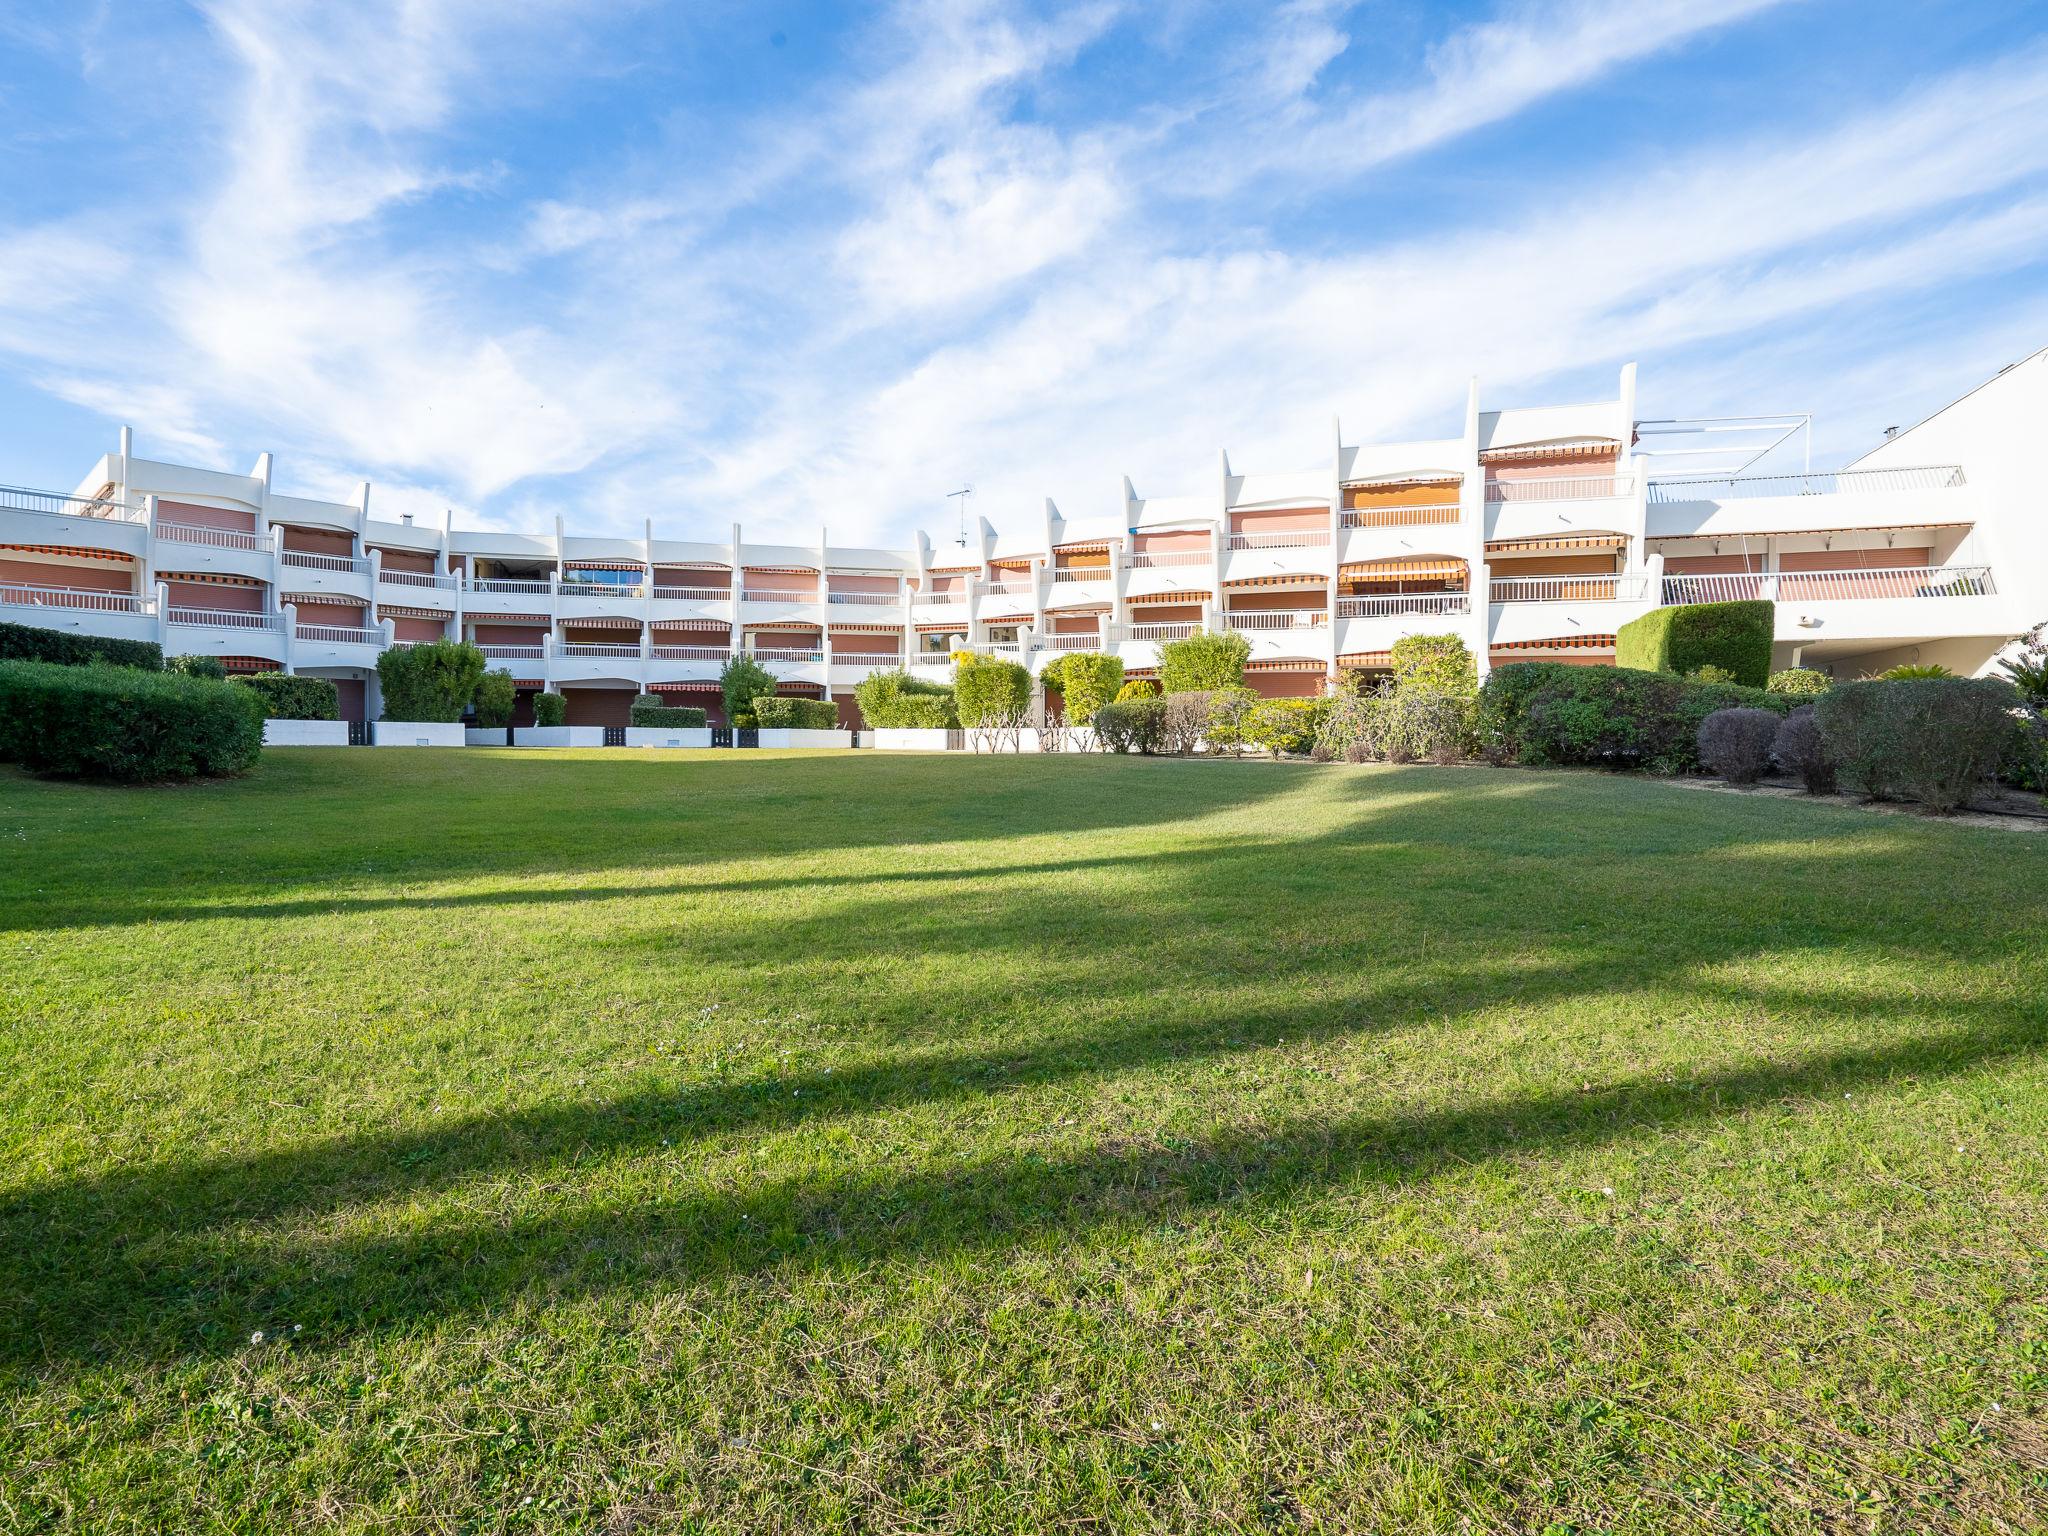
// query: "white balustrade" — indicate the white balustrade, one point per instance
point(212, 538)
point(1831, 586)
point(351, 564)
point(1927, 477)
point(18, 595)
point(1293, 618)
point(1386, 605)
point(340, 634)
point(225, 618)
point(1559, 488)
point(1304, 538)
point(1401, 517)
point(1566, 589)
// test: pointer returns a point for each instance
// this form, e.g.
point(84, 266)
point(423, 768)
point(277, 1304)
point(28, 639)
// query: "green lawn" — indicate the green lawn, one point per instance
point(754, 1142)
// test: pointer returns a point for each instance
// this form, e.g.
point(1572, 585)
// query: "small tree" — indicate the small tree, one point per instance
point(1204, 663)
point(993, 699)
point(549, 709)
point(894, 700)
point(1434, 661)
point(1085, 681)
point(740, 680)
point(1229, 716)
point(431, 682)
point(494, 699)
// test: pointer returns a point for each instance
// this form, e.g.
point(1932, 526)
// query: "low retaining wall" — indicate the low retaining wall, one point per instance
point(668, 736)
point(558, 736)
point(1057, 739)
point(485, 736)
point(305, 733)
point(798, 738)
point(417, 733)
point(911, 741)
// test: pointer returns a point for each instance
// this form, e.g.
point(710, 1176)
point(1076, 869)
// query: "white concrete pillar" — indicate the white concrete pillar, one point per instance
point(290, 613)
point(163, 617)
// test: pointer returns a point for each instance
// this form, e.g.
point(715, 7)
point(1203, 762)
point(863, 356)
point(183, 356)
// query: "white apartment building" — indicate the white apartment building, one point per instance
point(1534, 534)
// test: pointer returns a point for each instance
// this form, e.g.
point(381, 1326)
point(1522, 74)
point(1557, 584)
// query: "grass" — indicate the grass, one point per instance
point(760, 1142)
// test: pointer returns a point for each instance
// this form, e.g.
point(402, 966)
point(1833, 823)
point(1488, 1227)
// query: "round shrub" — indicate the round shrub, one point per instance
point(494, 700)
point(433, 682)
point(1800, 748)
point(1913, 672)
point(1137, 688)
point(1203, 663)
point(284, 696)
point(1710, 674)
point(122, 725)
point(1804, 681)
point(1736, 743)
point(1132, 726)
point(549, 709)
point(1084, 680)
point(1930, 739)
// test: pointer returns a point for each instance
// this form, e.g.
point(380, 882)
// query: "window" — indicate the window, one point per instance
point(602, 578)
point(941, 645)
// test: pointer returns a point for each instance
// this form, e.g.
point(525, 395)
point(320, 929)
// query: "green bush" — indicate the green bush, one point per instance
point(1802, 681)
point(742, 680)
point(430, 682)
point(1281, 726)
point(777, 712)
point(210, 667)
point(1800, 748)
point(1084, 681)
point(1732, 636)
point(1203, 663)
point(122, 724)
point(285, 697)
point(667, 717)
point(549, 709)
point(990, 693)
point(1736, 743)
point(1614, 717)
point(29, 642)
point(494, 700)
point(1132, 726)
point(1711, 674)
point(895, 701)
point(1229, 716)
point(1182, 721)
point(1930, 739)
point(1913, 672)
point(1137, 688)
point(2028, 670)
point(1433, 661)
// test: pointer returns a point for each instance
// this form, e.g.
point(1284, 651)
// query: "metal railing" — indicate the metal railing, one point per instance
point(1401, 517)
point(225, 618)
point(692, 652)
point(872, 658)
point(352, 564)
point(17, 595)
point(418, 579)
point(1566, 589)
point(1560, 488)
point(587, 648)
point(18, 498)
point(694, 594)
point(780, 653)
point(866, 599)
point(602, 589)
point(1386, 605)
point(1083, 573)
point(1305, 538)
point(212, 538)
point(513, 652)
point(1070, 642)
point(1156, 632)
point(523, 586)
point(1292, 618)
point(1831, 586)
point(1926, 477)
point(770, 595)
point(1168, 557)
point(1005, 588)
point(338, 634)
point(939, 599)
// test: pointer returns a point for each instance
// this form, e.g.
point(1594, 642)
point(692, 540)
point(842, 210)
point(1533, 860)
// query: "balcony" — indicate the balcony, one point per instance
point(786, 654)
point(511, 653)
point(1395, 604)
point(866, 599)
point(225, 618)
point(1156, 634)
point(350, 565)
point(15, 498)
point(1568, 589)
point(1305, 538)
point(1760, 506)
point(1068, 643)
point(1434, 514)
point(16, 595)
point(693, 594)
point(1836, 482)
point(717, 653)
point(212, 538)
point(1261, 623)
point(1170, 557)
point(341, 634)
point(223, 632)
point(602, 589)
point(427, 579)
point(1560, 488)
point(499, 586)
point(1918, 581)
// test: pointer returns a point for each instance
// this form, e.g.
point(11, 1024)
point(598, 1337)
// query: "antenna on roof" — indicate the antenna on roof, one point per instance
point(962, 496)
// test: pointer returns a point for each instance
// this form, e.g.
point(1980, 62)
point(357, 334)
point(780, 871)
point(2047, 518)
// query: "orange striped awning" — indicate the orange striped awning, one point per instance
point(1287, 664)
point(959, 628)
point(338, 600)
point(691, 565)
point(581, 623)
point(511, 618)
point(1564, 448)
point(697, 687)
point(1084, 547)
point(719, 625)
point(208, 578)
point(247, 664)
point(1173, 595)
point(1560, 643)
point(390, 611)
point(1272, 581)
point(76, 551)
point(1435, 567)
point(1417, 477)
point(867, 629)
point(779, 570)
point(1151, 672)
point(602, 565)
point(1542, 542)
point(1011, 616)
point(1366, 659)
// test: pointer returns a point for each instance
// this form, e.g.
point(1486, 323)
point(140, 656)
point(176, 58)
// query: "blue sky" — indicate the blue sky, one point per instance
point(811, 266)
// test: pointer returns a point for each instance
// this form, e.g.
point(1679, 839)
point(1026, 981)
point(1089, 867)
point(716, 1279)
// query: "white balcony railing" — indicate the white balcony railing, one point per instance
point(1567, 589)
point(1070, 643)
point(783, 653)
point(513, 652)
point(939, 599)
point(212, 538)
point(1170, 557)
point(1929, 477)
point(419, 579)
point(603, 589)
point(18, 498)
point(1401, 517)
point(1304, 618)
point(225, 618)
point(1082, 573)
point(866, 599)
point(774, 595)
point(1387, 605)
point(305, 559)
point(1830, 586)
point(16, 595)
point(523, 587)
point(587, 648)
point(1005, 588)
point(694, 594)
point(692, 653)
point(1560, 488)
point(1305, 538)
point(340, 634)
point(874, 658)
point(1156, 632)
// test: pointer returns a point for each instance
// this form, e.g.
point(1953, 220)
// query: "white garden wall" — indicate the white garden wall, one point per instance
point(809, 739)
point(417, 733)
point(558, 736)
point(668, 736)
point(305, 733)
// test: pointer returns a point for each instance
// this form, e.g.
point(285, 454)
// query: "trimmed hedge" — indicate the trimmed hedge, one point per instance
point(1930, 739)
point(29, 642)
point(1546, 713)
point(1084, 680)
point(430, 683)
point(1733, 636)
point(993, 693)
point(285, 697)
point(197, 666)
point(772, 713)
point(1203, 663)
point(672, 717)
point(495, 700)
point(549, 709)
point(893, 700)
point(1133, 725)
point(123, 725)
